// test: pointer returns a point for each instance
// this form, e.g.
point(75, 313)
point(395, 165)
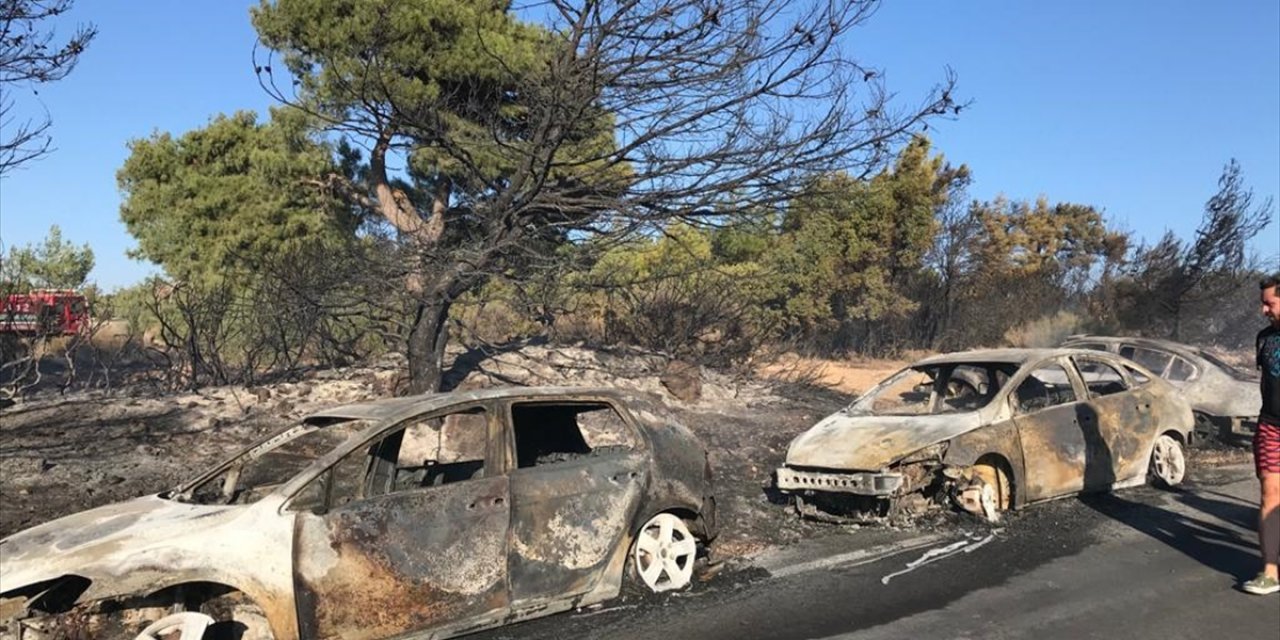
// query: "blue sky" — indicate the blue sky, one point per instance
point(1130, 106)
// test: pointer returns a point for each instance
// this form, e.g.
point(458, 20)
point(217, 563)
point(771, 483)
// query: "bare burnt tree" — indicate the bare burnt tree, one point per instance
point(314, 305)
point(31, 54)
point(634, 114)
point(194, 324)
point(1169, 280)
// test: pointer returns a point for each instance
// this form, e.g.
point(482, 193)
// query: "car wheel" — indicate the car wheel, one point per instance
point(997, 491)
point(185, 625)
point(1168, 462)
point(237, 618)
point(663, 554)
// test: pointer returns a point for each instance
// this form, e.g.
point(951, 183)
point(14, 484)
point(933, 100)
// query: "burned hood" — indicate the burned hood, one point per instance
point(108, 536)
point(869, 443)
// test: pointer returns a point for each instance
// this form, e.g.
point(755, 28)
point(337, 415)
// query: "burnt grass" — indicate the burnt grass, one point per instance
point(78, 453)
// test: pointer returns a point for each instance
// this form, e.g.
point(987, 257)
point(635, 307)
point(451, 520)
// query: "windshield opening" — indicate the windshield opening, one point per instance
point(936, 389)
point(261, 468)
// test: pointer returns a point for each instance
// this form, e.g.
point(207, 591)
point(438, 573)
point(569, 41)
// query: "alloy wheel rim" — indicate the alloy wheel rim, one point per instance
point(1169, 462)
point(664, 553)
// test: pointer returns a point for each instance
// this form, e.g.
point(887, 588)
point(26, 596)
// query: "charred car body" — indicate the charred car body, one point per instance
point(428, 516)
point(989, 430)
point(1225, 398)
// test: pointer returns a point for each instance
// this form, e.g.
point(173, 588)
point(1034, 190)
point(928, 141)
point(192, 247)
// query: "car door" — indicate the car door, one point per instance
point(1048, 414)
point(406, 533)
point(1120, 439)
point(580, 470)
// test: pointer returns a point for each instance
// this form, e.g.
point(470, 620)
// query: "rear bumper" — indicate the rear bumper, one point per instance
point(853, 482)
point(1242, 425)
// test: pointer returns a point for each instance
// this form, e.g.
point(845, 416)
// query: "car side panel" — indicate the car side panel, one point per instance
point(681, 471)
point(567, 520)
point(1120, 438)
point(405, 561)
point(1054, 449)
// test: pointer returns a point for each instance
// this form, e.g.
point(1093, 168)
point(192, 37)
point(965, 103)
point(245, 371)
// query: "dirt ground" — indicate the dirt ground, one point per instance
point(66, 453)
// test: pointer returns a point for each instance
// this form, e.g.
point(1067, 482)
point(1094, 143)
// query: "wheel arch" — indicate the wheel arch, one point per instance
point(691, 514)
point(66, 592)
point(995, 442)
point(999, 461)
point(195, 593)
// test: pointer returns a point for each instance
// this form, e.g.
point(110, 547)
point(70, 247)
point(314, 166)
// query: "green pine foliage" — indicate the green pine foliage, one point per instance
point(229, 197)
point(55, 263)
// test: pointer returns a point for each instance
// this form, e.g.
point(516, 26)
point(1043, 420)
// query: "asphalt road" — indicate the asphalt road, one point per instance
point(1140, 563)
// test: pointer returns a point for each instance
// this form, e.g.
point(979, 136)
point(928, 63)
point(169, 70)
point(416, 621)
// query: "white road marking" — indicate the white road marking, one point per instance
point(857, 558)
point(967, 545)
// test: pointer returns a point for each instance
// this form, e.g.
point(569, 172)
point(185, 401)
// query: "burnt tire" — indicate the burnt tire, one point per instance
point(184, 625)
point(996, 478)
point(236, 618)
point(1168, 465)
point(662, 555)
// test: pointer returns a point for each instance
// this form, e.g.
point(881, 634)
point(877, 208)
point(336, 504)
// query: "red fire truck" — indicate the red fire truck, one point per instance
point(48, 312)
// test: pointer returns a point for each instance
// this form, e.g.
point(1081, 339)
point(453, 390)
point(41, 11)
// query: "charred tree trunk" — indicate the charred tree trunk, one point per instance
point(428, 338)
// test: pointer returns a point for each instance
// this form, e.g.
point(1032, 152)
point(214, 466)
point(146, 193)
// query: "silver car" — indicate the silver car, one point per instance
point(1225, 398)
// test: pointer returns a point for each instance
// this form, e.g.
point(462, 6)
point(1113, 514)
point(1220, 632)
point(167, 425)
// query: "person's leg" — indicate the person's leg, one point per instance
point(1269, 524)
point(1266, 455)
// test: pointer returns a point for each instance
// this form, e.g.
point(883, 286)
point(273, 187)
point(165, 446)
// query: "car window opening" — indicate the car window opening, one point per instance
point(438, 451)
point(1101, 378)
point(421, 454)
point(553, 433)
point(1047, 386)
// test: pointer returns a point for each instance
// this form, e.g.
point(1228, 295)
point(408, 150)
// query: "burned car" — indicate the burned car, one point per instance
point(989, 431)
point(1224, 397)
point(428, 516)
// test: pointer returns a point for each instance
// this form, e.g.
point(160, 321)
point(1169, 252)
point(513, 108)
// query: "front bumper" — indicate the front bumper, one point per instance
point(854, 482)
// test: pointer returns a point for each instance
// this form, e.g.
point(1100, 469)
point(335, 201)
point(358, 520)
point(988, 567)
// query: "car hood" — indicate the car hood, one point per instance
point(109, 539)
point(869, 443)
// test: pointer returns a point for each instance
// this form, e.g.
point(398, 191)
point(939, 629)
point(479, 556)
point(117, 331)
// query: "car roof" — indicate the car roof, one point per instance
point(388, 407)
point(1167, 345)
point(1010, 355)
